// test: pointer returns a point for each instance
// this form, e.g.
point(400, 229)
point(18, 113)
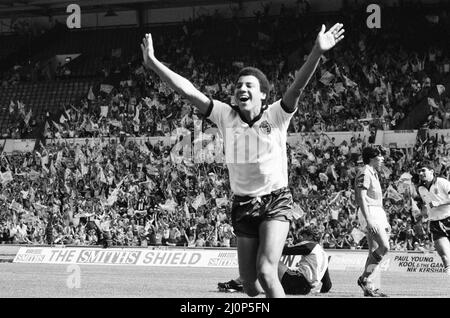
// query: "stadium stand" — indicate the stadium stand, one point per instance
point(125, 193)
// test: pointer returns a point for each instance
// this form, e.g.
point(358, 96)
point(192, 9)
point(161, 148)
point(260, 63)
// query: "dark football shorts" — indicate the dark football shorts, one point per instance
point(247, 212)
point(294, 283)
point(440, 229)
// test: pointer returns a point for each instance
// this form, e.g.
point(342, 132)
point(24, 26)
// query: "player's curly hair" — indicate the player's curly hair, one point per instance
point(370, 152)
point(262, 78)
point(426, 164)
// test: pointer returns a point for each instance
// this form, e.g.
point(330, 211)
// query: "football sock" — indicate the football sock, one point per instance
point(372, 262)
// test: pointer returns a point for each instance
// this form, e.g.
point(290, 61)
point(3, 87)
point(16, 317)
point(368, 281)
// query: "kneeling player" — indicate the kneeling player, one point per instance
point(310, 271)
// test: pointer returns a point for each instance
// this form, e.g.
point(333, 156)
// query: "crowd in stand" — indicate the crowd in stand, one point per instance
point(372, 81)
point(115, 191)
point(129, 194)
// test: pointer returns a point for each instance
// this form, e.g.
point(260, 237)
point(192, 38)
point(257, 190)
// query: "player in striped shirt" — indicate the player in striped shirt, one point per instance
point(435, 194)
point(254, 135)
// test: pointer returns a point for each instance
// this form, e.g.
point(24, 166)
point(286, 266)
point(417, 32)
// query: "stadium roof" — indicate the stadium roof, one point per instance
point(38, 8)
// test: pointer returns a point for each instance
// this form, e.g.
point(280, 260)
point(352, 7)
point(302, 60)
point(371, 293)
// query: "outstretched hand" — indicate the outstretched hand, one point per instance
point(327, 40)
point(148, 52)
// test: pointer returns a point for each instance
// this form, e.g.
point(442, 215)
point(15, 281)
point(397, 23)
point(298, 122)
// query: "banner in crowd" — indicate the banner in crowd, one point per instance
point(225, 258)
point(93, 141)
point(80, 141)
point(106, 88)
point(339, 136)
point(20, 145)
point(153, 140)
point(388, 138)
point(398, 138)
point(445, 133)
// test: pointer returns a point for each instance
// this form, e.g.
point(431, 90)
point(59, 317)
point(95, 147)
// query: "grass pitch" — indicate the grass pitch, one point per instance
point(44, 280)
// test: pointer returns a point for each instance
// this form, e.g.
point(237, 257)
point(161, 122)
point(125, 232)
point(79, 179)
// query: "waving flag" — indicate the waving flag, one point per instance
point(326, 78)
point(222, 201)
point(106, 88)
point(357, 235)
point(169, 205)
point(391, 193)
point(91, 95)
point(6, 177)
point(199, 201)
point(349, 82)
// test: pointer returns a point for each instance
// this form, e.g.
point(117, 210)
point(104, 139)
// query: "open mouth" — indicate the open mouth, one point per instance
point(244, 98)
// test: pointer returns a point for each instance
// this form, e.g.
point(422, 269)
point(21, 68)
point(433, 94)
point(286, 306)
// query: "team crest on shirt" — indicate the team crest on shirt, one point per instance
point(265, 127)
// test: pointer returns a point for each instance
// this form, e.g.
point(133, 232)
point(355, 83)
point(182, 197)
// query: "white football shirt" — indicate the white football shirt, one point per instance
point(255, 154)
point(314, 261)
point(437, 199)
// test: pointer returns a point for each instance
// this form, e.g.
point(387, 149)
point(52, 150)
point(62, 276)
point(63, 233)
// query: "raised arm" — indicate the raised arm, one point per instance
point(324, 42)
point(177, 82)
